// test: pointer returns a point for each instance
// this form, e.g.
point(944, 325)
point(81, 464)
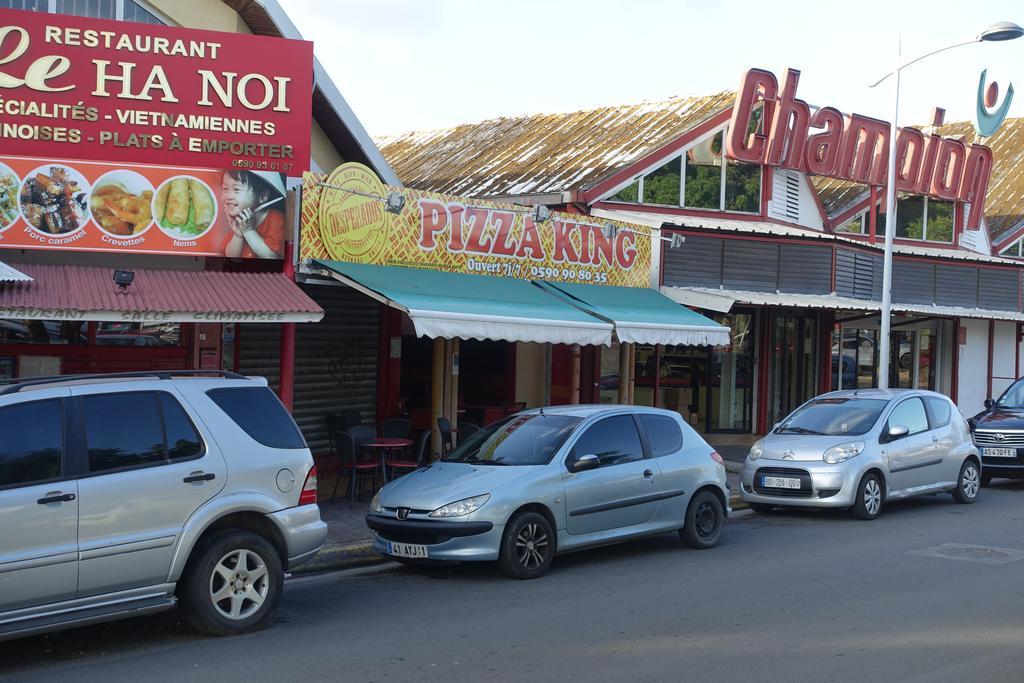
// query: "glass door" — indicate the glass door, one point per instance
point(794, 372)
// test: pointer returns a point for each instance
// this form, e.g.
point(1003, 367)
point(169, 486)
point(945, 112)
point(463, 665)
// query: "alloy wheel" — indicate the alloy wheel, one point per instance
point(706, 521)
point(531, 546)
point(239, 584)
point(972, 481)
point(872, 497)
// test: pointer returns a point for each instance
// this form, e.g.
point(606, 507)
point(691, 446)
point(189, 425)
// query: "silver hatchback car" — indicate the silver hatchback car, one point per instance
point(127, 494)
point(861, 449)
point(550, 481)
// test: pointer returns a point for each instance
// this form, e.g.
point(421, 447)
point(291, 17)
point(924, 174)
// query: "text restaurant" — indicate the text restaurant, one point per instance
point(144, 208)
point(490, 308)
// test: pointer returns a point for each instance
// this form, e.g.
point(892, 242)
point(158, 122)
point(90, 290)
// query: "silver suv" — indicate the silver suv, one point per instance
point(128, 494)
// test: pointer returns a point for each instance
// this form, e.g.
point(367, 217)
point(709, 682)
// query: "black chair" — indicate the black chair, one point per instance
point(395, 428)
point(350, 462)
point(336, 422)
point(423, 448)
point(353, 417)
point(445, 427)
point(362, 434)
point(466, 430)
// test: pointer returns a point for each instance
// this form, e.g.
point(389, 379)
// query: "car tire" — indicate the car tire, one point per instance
point(241, 568)
point(968, 484)
point(761, 508)
point(986, 480)
point(869, 497)
point(704, 521)
point(527, 546)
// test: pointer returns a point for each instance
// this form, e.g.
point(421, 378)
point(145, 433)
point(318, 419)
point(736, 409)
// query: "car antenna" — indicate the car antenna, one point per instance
point(542, 411)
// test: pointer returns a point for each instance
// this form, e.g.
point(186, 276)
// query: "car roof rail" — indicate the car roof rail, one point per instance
point(13, 386)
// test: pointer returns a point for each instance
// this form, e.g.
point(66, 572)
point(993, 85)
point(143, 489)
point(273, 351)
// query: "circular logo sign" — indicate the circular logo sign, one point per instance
point(353, 226)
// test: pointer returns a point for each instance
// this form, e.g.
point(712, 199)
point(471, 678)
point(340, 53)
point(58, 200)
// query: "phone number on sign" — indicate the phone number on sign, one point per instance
point(581, 275)
point(282, 166)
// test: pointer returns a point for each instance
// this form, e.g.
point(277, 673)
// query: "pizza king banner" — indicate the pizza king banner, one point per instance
point(344, 218)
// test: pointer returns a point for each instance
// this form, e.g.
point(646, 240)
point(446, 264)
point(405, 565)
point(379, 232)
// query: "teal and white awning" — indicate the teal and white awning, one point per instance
point(643, 316)
point(460, 305)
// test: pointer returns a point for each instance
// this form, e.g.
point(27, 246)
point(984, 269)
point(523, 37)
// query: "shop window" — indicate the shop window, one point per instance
point(127, 10)
point(742, 187)
point(910, 218)
point(629, 194)
point(661, 186)
point(855, 226)
point(921, 218)
point(940, 221)
point(1014, 250)
point(76, 333)
point(704, 174)
point(609, 382)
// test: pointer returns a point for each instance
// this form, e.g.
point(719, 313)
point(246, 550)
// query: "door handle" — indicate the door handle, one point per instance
point(648, 474)
point(935, 440)
point(199, 476)
point(56, 498)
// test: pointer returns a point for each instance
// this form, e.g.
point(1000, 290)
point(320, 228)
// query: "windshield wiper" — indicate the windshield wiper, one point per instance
point(799, 430)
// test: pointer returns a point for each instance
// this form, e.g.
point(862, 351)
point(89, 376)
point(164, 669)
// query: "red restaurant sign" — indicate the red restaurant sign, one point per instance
point(853, 147)
point(78, 88)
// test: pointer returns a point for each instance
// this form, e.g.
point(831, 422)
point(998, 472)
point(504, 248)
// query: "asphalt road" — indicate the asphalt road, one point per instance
point(788, 597)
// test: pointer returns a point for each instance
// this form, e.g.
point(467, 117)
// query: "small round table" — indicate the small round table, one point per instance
point(387, 445)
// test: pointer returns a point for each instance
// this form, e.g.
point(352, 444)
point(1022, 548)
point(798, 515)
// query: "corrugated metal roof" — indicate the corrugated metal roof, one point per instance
point(87, 288)
point(543, 152)
point(838, 195)
point(8, 274)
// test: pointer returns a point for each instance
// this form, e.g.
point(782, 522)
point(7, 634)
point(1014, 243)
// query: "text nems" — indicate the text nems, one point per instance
point(493, 232)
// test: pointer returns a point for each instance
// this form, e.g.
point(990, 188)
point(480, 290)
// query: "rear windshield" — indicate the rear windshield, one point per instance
point(834, 416)
point(258, 412)
point(518, 440)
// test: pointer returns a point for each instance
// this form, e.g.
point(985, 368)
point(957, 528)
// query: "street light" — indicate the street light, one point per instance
point(1003, 30)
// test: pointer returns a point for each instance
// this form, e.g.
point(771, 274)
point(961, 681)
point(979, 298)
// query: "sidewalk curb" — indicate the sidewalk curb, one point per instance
point(332, 558)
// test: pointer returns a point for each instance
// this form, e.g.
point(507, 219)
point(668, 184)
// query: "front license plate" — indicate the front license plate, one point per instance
point(999, 452)
point(780, 482)
point(407, 550)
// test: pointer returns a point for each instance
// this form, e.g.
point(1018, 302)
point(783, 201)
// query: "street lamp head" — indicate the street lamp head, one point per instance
point(1002, 30)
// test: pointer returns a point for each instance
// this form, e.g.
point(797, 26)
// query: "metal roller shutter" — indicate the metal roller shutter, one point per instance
point(335, 359)
point(698, 263)
point(805, 269)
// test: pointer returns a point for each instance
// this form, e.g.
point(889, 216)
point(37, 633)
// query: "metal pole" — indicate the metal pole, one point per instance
point(890, 231)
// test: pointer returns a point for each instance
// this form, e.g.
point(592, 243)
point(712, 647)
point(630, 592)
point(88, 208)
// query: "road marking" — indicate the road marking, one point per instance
point(971, 553)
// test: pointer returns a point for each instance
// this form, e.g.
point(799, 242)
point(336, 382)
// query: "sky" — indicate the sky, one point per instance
point(423, 64)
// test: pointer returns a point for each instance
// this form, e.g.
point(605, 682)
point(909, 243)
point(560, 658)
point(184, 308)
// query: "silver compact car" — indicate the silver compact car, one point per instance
point(550, 481)
point(862, 449)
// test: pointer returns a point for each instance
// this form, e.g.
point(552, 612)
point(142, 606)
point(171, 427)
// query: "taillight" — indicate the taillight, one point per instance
point(308, 495)
point(717, 458)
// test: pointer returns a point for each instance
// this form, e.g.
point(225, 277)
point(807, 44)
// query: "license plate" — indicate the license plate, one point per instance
point(780, 482)
point(406, 550)
point(999, 452)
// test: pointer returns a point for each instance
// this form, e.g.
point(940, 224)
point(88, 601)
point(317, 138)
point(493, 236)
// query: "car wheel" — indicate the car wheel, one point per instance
point(986, 480)
point(761, 508)
point(704, 521)
point(527, 547)
point(869, 497)
point(234, 584)
point(968, 483)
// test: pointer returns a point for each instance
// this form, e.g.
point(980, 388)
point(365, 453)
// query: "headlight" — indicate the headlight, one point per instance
point(375, 505)
point(756, 450)
point(843, 452)
point(462, 507)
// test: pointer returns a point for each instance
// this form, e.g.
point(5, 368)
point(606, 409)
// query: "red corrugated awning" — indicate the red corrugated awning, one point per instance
point(89, 293)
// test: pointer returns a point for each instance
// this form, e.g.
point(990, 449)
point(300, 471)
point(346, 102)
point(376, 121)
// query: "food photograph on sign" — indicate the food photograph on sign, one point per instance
point(98, 207)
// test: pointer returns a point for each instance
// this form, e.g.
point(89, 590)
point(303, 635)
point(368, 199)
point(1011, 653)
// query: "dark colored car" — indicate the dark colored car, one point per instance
point(999, 435)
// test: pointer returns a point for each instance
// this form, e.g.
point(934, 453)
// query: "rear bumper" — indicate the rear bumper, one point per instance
point(304, 532)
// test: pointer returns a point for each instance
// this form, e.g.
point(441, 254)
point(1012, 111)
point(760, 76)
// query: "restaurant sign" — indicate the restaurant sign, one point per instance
point(853, 147)
point(345, 218)
point(80, 88)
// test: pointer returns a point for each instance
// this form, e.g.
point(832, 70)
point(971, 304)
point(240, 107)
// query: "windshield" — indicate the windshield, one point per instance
point(1013, 397)
point(518, 440)
point(834, 417)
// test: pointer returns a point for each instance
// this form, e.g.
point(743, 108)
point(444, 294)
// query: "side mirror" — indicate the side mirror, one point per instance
point(989, 403)
point(586, 462)
point(897, 432)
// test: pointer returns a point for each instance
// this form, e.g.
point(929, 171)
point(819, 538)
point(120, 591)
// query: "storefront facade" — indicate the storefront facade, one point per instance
point(789, 260)
point(204, 295)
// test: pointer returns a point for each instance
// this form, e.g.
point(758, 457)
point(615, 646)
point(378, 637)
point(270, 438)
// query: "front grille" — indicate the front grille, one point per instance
point(805, 482)
point(990, 438)
point(417, 537)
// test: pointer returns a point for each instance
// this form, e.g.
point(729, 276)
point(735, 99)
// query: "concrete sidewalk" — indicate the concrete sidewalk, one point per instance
point(350, 543)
